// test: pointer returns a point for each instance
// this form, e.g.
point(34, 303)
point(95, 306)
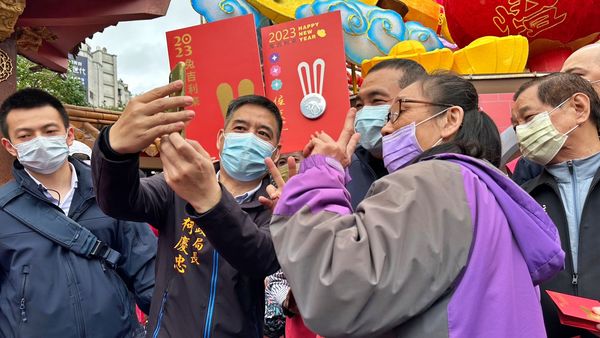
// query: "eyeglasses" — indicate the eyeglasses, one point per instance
point(396, 107)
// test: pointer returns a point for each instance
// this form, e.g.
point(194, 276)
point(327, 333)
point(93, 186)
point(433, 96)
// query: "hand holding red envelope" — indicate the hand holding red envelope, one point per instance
point(576, 311)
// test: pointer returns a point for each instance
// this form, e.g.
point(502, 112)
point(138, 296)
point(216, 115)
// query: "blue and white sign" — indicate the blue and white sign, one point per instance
point(79, 69)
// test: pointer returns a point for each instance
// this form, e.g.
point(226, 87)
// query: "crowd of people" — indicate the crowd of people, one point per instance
point(404, 225)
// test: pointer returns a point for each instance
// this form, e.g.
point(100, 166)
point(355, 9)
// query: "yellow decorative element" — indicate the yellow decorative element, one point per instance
point(430, 14)
point(225, 93)
point(486, 55)
point(440, 59)
point(407, 47)
point(490, 55)
point(10, 10)
point(285, 10)
point(151, 150)
point(30, 39)
point(6, 67)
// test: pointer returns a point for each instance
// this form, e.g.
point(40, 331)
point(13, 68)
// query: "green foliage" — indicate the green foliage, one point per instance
point(66, 87)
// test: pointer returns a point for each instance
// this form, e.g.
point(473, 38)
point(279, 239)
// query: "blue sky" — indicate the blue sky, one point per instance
point(141, 47)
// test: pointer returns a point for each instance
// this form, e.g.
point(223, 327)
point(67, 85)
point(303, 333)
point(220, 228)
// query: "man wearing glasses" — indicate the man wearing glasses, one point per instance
point(556, 119)
point(381, 85)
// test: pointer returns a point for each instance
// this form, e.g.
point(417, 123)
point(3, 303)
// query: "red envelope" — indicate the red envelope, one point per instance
point(576, 311)
point(304, 60)
point(222, 63)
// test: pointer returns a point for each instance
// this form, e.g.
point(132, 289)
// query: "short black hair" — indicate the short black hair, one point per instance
point(30, 98)
point(556, 87)
point(478, 135)
point(256, 100)
point(412, 71)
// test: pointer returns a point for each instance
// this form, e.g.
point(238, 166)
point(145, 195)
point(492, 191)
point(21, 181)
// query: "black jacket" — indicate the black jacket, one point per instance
point(49, 291)
point(525, 170)
point(213, 286)
point(586, 283)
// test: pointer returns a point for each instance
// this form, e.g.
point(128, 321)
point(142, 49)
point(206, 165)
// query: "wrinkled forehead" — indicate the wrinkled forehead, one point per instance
point(383, 81)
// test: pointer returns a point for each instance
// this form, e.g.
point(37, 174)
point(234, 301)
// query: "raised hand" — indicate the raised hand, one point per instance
point(145, 118)
point(275, 192)
point(342, 149)
point(190, 172)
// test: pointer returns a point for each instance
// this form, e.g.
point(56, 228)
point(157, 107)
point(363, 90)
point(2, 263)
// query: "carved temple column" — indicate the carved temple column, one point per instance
point(9, 13)
point(8, 85)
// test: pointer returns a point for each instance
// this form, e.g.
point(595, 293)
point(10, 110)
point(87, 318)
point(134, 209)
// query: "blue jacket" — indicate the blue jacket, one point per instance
point(364, 170)
point(49, 291)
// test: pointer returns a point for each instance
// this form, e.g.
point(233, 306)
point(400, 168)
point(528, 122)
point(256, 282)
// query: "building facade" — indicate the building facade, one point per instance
point(97, 70)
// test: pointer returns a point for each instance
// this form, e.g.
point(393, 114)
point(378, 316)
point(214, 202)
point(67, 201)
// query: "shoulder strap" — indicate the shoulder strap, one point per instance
point(54, 225)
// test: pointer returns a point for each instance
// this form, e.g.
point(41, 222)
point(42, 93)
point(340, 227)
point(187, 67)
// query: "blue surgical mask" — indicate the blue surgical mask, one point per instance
point(243, 156)
point(368, 123)
point(43, 154)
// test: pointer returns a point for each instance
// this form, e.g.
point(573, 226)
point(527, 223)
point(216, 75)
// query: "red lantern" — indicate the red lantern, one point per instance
point(542, 22)
point(550, 61)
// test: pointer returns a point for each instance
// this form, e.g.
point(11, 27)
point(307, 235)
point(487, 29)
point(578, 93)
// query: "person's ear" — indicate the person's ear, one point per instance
point(452, 122)
point(582, 106)
point(9, 147)
point(220, 139)
point(70, 135)
point(276, 153)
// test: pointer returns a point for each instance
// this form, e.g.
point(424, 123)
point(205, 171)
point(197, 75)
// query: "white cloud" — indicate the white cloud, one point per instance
point(141, 46)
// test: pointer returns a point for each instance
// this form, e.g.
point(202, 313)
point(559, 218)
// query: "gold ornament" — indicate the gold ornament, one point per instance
point(10, 10)
point(6, 67)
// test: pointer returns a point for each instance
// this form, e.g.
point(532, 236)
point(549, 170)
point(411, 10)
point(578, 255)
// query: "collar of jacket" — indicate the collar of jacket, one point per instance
point(546, 179)
point(375, 165)
point(84, 175)
point(262, 191)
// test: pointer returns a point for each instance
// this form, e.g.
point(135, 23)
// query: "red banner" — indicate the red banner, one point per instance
point(305, 75)
point(222, 63)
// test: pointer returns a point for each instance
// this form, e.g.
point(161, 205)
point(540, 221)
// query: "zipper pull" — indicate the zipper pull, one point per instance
point(570, 166)
point(22, 308)
point(575, 279)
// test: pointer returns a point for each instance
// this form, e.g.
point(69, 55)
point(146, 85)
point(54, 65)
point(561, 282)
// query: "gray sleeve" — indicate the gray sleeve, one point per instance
point(363, 274)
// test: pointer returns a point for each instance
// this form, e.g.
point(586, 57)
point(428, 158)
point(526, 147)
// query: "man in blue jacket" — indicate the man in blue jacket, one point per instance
point(47, 288)
point(379, 89)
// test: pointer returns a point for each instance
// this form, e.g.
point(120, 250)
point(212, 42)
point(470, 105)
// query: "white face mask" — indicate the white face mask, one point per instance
point(43, 154)
point(539, 140)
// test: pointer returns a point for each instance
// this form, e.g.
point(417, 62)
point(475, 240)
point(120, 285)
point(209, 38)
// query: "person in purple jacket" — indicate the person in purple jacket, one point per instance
point(444, 246)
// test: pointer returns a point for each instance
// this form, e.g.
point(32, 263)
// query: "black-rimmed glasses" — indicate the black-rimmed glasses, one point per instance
point(396, 107)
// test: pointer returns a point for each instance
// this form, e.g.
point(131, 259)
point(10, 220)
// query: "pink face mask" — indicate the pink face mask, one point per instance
point(402, 146)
